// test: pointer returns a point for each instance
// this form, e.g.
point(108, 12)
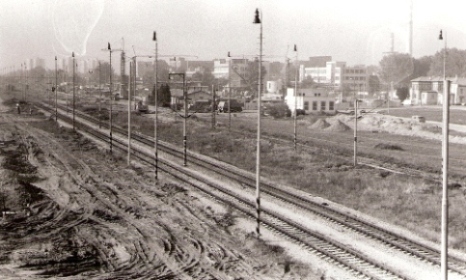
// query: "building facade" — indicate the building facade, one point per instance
point(356, 77)
point(429, 91)
point(311, 100)
point(323, 70)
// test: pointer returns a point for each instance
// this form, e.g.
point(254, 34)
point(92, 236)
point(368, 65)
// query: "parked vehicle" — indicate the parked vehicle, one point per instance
point(300, 112)
point(418, 119)
point(235, 106)
point(142, 108)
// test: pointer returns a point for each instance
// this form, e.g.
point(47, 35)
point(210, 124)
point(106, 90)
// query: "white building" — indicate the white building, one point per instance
point(429, 91)
point(310, 100)
point(221, 68)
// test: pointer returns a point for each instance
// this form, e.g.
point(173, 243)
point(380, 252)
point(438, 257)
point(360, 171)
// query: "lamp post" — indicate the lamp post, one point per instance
point(355, 156)
point(74, 86)
point(257, 20)
point(446, 119)
point(185, 117)
point(154, 38)
point(56, 91)
point(295, 128)
point(111, 97)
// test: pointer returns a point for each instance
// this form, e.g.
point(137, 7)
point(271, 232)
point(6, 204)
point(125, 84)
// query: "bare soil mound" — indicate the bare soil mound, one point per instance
point(319, 124)
point(338, 126)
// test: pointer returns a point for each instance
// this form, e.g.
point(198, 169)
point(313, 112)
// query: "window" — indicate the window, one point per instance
point(314, 105)
point(331, 105)
point(322, 105)
point(306, 105)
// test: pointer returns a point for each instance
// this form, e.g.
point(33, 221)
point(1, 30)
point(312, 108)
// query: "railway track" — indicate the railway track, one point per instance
point(279, 224)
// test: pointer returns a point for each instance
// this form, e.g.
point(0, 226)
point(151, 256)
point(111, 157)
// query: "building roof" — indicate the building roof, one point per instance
point(456, 80)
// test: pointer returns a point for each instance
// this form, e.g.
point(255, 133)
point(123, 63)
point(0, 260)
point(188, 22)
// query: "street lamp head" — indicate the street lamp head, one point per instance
point(257, 18)
point(55, 58)
point(295, 48)
point(72, 54)
point(440, 37)
point(229, 54)
point(108, 47)
point(154, 38)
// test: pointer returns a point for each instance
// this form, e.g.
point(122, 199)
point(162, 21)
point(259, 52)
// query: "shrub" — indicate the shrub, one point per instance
point(384, 146)
point(279, 110)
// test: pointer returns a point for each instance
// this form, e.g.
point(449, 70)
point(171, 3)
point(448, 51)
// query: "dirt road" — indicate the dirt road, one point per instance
point(74, 211)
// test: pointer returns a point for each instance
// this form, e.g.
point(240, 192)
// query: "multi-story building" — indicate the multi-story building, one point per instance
point(322, 70)
point(356, 77)
point(221, 68)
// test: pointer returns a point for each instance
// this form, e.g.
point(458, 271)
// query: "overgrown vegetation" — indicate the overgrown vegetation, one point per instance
point(326, 170)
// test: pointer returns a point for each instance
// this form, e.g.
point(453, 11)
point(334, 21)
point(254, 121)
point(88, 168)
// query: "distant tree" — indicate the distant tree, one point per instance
point(374, 85)
point(307, 82)
point(455, 63)
point(422, 66)
point(402, 93)
point(372, 70)
point(396, 67)
point(163, 95)
point(275, 70)
point(162, 75)
point(251, 77)
point(206, 78)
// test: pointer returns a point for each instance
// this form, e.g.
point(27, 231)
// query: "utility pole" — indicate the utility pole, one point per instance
point(295, 127)
point(100, 87)
point(445, 136)
point(257, 20)
point(185, 117)
point(355, 159)
point(74, 87)
point(110, 50)
point(111, 98)
point(229, 104)
point(154, 38)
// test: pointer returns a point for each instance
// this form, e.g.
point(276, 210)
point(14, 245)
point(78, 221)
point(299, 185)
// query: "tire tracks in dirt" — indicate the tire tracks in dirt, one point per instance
point(148, 255)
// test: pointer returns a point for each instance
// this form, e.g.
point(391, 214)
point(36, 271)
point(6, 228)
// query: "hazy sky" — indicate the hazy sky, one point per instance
point(356, 31)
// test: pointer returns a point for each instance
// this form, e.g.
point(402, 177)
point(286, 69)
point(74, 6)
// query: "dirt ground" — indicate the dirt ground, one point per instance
point(71, 210)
